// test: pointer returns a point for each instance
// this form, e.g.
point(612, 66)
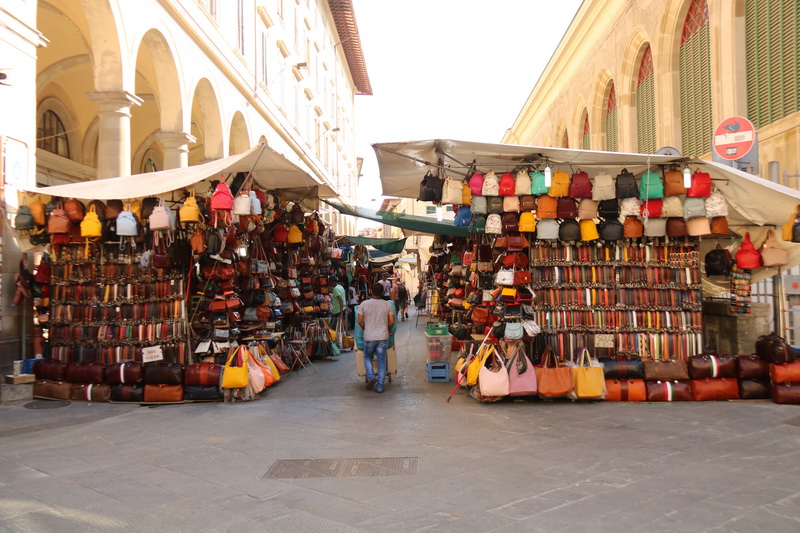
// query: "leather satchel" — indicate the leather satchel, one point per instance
point(201, 393)
point(86, 372)
point(665, 370)
point(786, 393)
point(712, 366)
point(206, 374)
point(130, 372)
point(754, 389)
point(552, 379)
point(90, 392)
point(774, 349)
point(127, 393)
point(668, 391)
point(788, 373)
point(623, 368)
point(50, 369)
point(625, 390)
point(705, 390)
point(164, 373)
point(161, 393)
point(54, 390)
point(751, 367)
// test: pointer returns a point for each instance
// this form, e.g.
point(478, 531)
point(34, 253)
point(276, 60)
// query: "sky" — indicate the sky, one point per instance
point(449, 69)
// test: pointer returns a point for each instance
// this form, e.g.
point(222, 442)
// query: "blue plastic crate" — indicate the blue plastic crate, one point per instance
point(27, 365)
point(439, 372)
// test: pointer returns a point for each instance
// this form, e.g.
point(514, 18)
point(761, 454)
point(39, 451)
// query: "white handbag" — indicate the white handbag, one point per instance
point(494, 224)
point(452, 192)
point(523, 183)
point(511, 204)
point(159, 218)
point(603, 188)
point(504, 276)
point(241, 204)
point(126, 223)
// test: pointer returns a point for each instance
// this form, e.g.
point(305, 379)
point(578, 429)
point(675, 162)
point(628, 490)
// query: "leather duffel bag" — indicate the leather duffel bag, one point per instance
point(621, 367)
point(775, 349)
point(207, 374)
point(86, 372)
point(50, 369)
point(54, 390)
point(705, 390)
point(665, 370)
point(202, 393)
point(127, 393)
point(164, 373)
point(161, 393)
point(625, 390)
point(754, 389)
point(90, 392)
point(130, 372)
point(712, 366)
point(751, 367)
point(788, 393)
point(788, 373)
point(668, 391)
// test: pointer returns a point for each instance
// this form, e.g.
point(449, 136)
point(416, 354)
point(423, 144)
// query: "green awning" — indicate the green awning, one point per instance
point(390, 246)
point(401, 220)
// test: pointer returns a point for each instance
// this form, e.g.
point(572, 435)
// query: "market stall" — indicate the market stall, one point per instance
point(591, 256)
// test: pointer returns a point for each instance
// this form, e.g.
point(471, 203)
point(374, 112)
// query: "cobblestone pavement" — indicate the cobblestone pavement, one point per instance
point(320, 453)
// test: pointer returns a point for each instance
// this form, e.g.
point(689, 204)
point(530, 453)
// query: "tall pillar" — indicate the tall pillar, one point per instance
point(114, 132)
point(176, 148)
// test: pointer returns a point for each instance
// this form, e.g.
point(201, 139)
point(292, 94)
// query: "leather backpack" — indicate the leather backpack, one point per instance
point(527, 203)
point(511, 204)
point(242, 204)
point(626, 185)
point(747, 257)
point(673, 183)
point(91, 227)
point(74, 209)
point(430, 188)
point(633, 228)
point(159, 217)
point(527, 222)
point(221, 198)
point(523, 183)
point(580, 186)
point(698, 227)
point(494, 224)
point(650, 186)
point(23, 221)
point(718, 262)
point(589, 230)
point(478, 206)
point(537, 182)
point(672, 206)
point(490, 186)
point(494, 204)
point(466, 194)
point(477, 224)
point(611, 230)
point(603, 188)
point(567, 208)
point(189, 212)
point(463, 217)
point(569, 231)
point(508, 187)
point(37, 209)
point(510, 222)
point(560, 185)
point(608, 209)
point(772, 253)
point(587, 209)
point(58, 222)
point(547, 230)
point(113, 209)
point(651, 208)
point(719, 226)
point(476, 184)
point(676, 227)
point(127, 224)
point(701, 185)
point(546, 207)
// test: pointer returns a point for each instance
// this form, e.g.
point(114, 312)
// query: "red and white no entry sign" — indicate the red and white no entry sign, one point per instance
point(734, 137)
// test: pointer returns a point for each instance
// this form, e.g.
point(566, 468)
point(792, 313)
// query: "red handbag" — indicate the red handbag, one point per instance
point(580, 186)
point(522, 277)
point(508, 187)
point(701, 185)
point(786, 393)
point(625, 390)
point(751, 367)
point(668, 391)
point(652, 208)
point(130, 372)
point(86, 372)
point(747, 257)
point(203, 374)
point(788, 373)
point(704, 390)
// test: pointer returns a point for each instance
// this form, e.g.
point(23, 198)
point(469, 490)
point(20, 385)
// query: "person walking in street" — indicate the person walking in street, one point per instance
point(338, 304)
point(401, 299)
point(376, 319)
point(387, 287)
point(352, 302)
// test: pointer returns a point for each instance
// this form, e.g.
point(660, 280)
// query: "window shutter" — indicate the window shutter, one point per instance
point(586, 140)
point(611, 121)
point(645, 106)
point(695, 81)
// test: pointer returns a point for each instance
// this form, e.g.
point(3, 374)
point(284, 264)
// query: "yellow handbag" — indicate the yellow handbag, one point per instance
point(269, 363)
point(474, 367)
point(560, 185)
point(189, 211)
point(786, 230)
point(236, 377)
point(90, 225)
point(589, 380)
point(589, 230)
point(295, 235)
point(527, 222)
point(332, 335)
point(466, 194)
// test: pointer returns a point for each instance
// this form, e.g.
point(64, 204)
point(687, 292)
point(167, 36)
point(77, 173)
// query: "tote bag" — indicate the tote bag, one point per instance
point(552, 379)
point(521, 375)
point(588, 378)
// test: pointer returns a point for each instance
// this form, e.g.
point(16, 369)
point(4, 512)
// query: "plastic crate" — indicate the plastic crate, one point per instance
point(437, 328)
point(27, 365)
point(439, 348)
point(439, 372)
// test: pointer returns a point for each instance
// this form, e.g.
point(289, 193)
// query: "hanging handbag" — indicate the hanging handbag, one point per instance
point(747, 257)
point(476, 184)
point(673, 183)
point(589, 230)
point(474, 368)
point(514, 330)
point(610, 230)
point(772, 253)
point(235, 375)
point(547, 230)
point(716, 205)
point(74, 209)
point(676, 227)
point(655, 227)
point(633, 228)
point(58, 222)
point(569, 231)
point(650, 186)
point(242, 204)
point(559, 187)
point(504, 276)
point(452, 191)
point(189, 212)
point(159, 218)
point(127, 224)
point(718, 262)
point(626, 185)
point(508, 186)
point(427, 190)
point(603, 188)
point(478, 205)
point(521, 374)
point(567, 208)
point(588, 378)
point(91, 227)
point(701, 185)
point(552, 379)
point(538, 183)
point(698, 227)
point(523, 183)
point(580, 186)
point(490, 187)
point(23, 220)
point(546, 207)
point(587, 209)
point(493, 376)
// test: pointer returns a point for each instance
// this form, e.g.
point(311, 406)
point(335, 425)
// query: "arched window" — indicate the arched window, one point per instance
point(773, 61)
point(149, 166)
point(695, 81)
point(645, 105)
point(585, 141)
point(611, 120)
point(52, 136)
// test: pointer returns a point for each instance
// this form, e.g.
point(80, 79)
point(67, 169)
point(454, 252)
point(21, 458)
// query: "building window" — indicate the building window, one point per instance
point(430, 209)
point(611, 120)
point(149, 166)
point(695, 81)
point(240, 26)
point(52, 136)
point(772, 32)
point(586, 139)
point(645, 105)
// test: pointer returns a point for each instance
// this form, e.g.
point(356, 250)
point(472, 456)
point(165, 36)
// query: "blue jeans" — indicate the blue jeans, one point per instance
point(376, 348)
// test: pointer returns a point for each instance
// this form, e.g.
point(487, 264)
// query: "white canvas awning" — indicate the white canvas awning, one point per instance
point(270, 171)
point(756, 205)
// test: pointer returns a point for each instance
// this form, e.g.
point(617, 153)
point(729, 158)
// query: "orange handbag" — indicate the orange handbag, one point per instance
point(553, 381)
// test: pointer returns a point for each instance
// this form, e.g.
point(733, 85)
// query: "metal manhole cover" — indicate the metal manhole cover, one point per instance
point(353, 467)
point(793, 421)
point(46, 404)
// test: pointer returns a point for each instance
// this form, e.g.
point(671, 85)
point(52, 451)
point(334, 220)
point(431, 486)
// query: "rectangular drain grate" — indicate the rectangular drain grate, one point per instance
point(354, 467)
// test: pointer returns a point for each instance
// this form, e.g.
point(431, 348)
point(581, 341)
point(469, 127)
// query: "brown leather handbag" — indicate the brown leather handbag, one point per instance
point(86, 372)
point(786, 393)
point(203, 374)
point(75, 210)
point(527, 203)
point(719, 226)
point(55, 390)
point(127, 393)
point(676, 227)
point(705, 390)
point(754, 389)
point(164, 373)
point(712, 366)
point(775, 349)
point(668, 391)
point(552, 379)
point(90, 392)
point(130, 372)
point(625, 390)
point(633, 228)
point(751, 367)
point(50, 369)
point(788, 373)
point(58, 222)
point(665, 370)
point(673, 183)
point(161, 393)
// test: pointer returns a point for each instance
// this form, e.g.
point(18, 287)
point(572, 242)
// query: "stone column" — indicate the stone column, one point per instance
point(114, 132)
point(176, 148)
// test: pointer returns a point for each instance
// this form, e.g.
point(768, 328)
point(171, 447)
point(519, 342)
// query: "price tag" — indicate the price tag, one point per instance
point(604, 341)
point(152, 353)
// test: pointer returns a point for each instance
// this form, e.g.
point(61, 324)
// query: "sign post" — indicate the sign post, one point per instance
point(734, 139)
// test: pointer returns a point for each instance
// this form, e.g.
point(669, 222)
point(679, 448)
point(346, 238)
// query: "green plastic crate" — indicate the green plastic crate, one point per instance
point(437, 328)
